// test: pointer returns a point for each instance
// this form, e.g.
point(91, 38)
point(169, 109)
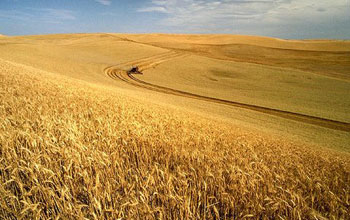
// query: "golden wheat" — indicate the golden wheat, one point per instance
point(71, 150)
point(207, 70)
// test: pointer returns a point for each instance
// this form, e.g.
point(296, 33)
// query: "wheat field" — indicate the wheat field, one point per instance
point(76, 144)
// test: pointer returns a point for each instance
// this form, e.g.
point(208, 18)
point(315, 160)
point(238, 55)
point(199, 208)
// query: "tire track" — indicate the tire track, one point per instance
point(119, 72)
point(128, 64)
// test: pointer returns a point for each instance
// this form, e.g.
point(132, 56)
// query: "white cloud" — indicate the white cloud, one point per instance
point(104, 2)
point(201, 12)
point(153, 9)
point(59, 14)
point(249, 16)
point(15, 14)
point(47, 15)
point(159, 2)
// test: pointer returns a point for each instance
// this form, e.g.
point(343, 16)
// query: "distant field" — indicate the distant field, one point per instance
point(216, 126)
point(217, 39)
point(306, 77)
point(285, 89)
point(330, 58)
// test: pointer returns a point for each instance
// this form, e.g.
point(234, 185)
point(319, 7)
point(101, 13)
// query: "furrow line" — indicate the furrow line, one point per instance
point(115, 72)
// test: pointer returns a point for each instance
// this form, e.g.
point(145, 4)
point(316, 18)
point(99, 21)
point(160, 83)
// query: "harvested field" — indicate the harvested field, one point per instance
point(118, 72)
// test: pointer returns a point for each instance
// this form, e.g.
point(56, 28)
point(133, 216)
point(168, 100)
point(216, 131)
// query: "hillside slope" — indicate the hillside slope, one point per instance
point(70, 149)
point(314, 83)
point(326, 57)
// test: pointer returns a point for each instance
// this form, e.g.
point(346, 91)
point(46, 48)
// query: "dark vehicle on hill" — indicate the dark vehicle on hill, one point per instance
point(134, 70)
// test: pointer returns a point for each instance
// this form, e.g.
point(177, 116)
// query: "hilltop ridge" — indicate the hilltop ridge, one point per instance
point(227, 39)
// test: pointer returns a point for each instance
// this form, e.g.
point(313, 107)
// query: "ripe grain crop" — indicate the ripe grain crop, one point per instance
point(71, 150)
point(203, 65)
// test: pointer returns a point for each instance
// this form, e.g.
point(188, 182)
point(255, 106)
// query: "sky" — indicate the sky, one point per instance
point(289, 19)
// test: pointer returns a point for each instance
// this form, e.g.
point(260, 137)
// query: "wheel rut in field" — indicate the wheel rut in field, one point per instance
point(120, 72)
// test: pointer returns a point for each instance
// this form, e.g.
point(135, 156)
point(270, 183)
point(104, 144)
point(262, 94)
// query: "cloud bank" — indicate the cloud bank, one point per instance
point(104, 2)
point(253, 16)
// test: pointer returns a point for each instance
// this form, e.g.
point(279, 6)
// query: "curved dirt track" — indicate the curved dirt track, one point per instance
point(119, 72)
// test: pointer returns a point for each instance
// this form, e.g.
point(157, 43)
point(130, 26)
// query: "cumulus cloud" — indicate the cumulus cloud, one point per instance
point(248, 16)
point(104, 2)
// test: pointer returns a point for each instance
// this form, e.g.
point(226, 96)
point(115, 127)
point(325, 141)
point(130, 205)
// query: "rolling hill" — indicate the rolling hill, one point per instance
point(216, 126)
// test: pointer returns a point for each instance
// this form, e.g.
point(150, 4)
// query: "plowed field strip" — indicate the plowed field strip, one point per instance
point(117, 72)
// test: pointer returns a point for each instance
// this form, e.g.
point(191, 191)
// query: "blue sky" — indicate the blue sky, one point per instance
point(276, 18)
